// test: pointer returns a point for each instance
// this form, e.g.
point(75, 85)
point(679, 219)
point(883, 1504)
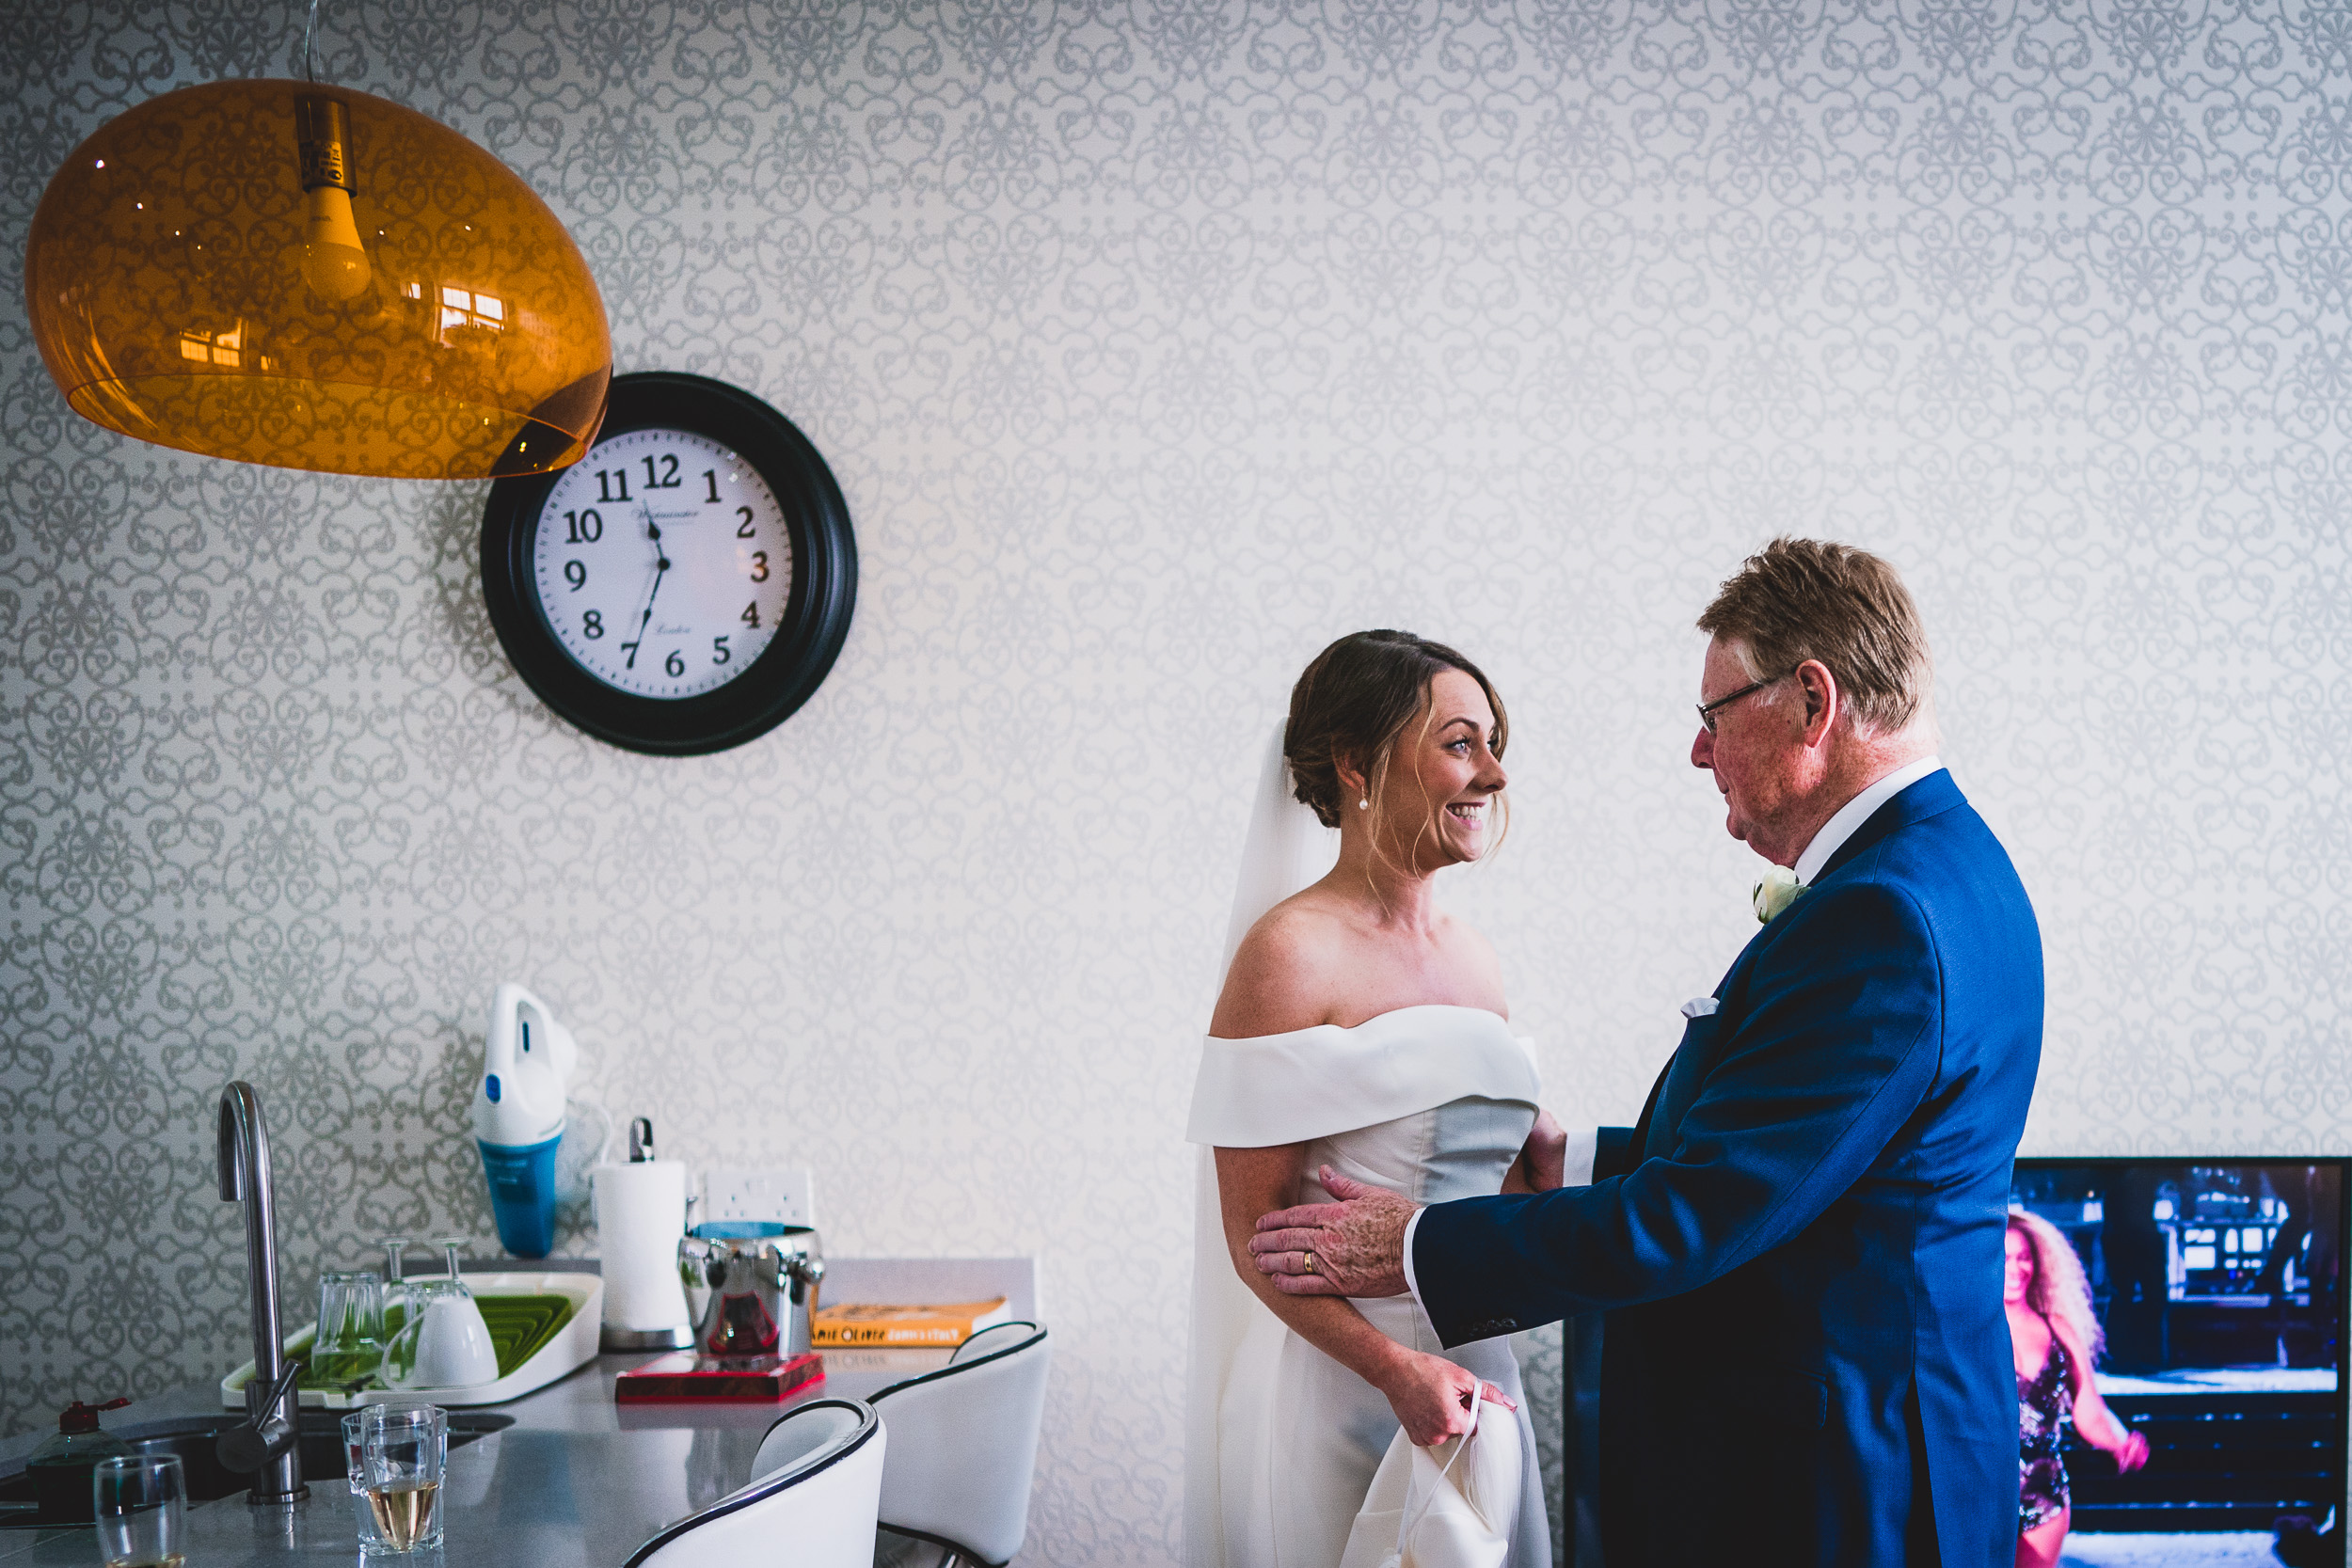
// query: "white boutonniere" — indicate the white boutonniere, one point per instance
point(1776, 892)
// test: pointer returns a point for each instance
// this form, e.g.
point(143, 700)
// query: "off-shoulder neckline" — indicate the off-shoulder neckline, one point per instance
point(1377, 1018)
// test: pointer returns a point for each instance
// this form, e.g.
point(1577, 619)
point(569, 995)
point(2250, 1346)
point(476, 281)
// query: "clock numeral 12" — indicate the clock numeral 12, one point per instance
point(671, 480)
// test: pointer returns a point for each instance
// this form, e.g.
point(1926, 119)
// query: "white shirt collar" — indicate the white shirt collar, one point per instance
point(1856, 812)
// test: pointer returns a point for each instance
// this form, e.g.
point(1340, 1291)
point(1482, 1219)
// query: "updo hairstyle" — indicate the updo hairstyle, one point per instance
point(1355, 700)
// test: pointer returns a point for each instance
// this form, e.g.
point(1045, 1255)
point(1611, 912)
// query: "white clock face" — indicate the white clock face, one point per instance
point(664, 563)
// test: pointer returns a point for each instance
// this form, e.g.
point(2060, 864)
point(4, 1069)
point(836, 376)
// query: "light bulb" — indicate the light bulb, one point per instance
point(333, 262)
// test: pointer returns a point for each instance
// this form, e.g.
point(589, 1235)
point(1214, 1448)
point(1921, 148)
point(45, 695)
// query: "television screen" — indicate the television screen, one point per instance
point(2219, 1287)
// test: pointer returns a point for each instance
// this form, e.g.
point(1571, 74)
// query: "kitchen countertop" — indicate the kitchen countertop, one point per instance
point(577, 1479)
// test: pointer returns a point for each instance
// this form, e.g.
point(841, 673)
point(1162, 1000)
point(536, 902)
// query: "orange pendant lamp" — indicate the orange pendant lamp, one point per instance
point(287, 273)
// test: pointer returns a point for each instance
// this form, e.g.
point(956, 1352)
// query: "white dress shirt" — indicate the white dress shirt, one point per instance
point(1832, 837)
point(1856, 812)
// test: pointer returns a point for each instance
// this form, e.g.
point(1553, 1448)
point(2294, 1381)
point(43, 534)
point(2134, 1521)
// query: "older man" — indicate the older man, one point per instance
point(1805, 1356)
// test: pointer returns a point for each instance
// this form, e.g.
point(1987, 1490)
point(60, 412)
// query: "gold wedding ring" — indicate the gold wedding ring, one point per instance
point(1311, 1263)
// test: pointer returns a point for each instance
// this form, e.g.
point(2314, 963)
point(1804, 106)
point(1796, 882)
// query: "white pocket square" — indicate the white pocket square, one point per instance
point(1701, 1006)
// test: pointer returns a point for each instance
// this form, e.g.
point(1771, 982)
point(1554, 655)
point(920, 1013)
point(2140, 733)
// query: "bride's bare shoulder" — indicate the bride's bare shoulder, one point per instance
point(1285, 973)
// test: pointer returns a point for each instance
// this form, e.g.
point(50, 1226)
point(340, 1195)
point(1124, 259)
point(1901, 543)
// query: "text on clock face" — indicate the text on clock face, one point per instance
point(664, 563)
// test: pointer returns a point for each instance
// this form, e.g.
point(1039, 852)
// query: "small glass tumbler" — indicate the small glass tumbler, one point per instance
point(141, 1501)
point(350, 1337)
point(403, 1456)
point(356, 1472)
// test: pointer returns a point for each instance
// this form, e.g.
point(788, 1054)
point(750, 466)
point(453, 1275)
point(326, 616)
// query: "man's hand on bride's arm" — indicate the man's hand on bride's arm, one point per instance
point(1432, 1396)
point(1543, 1162)
point(1353, 1248)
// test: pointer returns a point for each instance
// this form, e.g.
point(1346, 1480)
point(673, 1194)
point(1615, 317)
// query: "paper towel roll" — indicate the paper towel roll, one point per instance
point(641, 1214)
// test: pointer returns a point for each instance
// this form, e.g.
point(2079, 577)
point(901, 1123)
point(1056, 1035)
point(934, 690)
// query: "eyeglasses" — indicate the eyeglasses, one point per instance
point(1707, 710)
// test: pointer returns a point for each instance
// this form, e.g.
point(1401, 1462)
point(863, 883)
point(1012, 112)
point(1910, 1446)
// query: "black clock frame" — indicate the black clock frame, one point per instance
point(816, 615)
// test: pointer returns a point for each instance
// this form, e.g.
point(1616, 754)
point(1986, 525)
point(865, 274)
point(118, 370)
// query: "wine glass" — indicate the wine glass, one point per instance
point(395, 1290)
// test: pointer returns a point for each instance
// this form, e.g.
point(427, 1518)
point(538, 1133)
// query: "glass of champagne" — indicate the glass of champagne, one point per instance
point(141, 1501)
point(404, 1454)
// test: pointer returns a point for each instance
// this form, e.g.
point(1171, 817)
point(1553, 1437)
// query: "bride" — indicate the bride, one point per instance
point(1356, 981)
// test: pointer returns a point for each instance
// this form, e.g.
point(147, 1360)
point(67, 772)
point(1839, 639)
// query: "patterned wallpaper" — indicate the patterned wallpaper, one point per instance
point(1155, 342)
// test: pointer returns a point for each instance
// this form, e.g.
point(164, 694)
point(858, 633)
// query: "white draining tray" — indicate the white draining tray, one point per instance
point(574, 1346)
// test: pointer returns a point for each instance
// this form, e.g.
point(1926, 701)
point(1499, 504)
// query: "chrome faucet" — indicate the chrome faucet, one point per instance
point(266, 1445)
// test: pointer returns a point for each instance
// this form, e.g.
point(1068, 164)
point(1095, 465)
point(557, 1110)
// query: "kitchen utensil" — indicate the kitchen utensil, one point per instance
point(763, 1278)
point(356, 1473)
point(518, 1117)
point(641, 1214)
point(350, 1340)
point(141, 1503)
point(444, 1343)
point(404, 1454)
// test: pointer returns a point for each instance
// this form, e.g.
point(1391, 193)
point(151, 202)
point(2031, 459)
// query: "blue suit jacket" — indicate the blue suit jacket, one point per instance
point(1805, 1358)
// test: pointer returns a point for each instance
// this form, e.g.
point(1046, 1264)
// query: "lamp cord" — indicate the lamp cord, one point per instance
point(309, 33)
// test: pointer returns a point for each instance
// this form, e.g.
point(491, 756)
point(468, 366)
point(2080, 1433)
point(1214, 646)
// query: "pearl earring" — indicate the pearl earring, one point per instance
point(1364, 805)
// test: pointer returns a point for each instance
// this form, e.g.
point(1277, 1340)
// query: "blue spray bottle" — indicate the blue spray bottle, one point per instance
point(518, 1117)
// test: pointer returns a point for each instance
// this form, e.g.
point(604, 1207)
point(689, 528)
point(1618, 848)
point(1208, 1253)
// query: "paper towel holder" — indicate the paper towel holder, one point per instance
point(612, 1337)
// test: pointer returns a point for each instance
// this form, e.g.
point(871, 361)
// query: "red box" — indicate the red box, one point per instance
point(730, 1379)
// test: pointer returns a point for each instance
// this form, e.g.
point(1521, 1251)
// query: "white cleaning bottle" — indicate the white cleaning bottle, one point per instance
point(518, 1117)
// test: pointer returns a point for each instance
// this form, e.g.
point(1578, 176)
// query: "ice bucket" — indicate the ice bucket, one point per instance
point(762, 1276)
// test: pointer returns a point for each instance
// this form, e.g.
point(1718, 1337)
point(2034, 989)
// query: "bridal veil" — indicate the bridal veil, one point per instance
point(1286, 848)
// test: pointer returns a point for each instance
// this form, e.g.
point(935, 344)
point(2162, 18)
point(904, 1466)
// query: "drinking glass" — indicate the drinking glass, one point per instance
point(356, 1473)
point(402, 1454)
point(141, 1501)
point(350, 1338)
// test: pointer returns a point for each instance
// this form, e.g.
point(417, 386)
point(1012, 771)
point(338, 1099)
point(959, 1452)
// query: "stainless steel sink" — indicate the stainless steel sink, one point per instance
point(321, 1445)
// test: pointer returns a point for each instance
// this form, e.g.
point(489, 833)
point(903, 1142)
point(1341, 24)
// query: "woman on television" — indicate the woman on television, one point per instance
point(2056, 1340)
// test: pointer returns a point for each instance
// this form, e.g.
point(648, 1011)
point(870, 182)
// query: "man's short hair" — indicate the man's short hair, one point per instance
point(1797, 599)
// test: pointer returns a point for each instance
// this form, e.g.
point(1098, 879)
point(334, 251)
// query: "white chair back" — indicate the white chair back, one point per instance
point(812, 1506)
point(989, 1340)
point(805, 1431)
point(963, 1445)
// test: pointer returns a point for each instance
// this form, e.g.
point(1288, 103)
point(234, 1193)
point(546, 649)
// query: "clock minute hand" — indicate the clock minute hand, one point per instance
point(660, 566)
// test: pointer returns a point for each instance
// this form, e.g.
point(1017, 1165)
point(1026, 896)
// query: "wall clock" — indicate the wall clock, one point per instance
point(684, 587)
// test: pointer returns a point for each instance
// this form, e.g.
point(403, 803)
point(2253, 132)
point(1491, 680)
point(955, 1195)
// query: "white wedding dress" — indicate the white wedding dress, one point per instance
point(1430, 1102)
